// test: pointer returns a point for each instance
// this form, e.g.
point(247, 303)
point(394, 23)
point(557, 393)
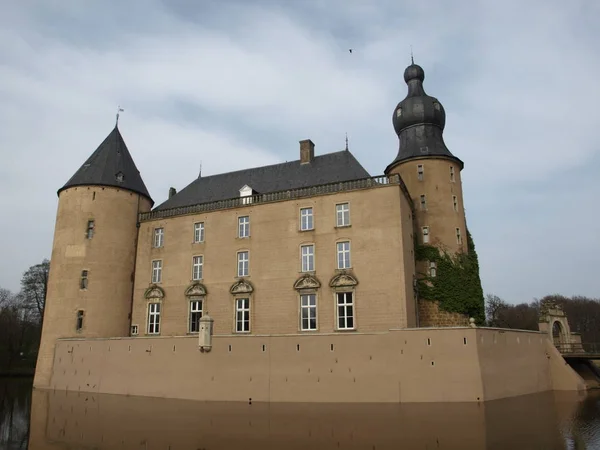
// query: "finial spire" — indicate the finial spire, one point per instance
point(200, 172)
point(412, 60)
point(119, 110)
point(346, 141)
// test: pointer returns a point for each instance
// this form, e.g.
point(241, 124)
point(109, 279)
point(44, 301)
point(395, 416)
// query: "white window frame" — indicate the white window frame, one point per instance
point(196, 306)
point(423, 202)
point(157, 271)
point(458, 236)
point(134, 330)
point(432, 269)
point(420, 172)
point(197, 267)
point(243, 264)
point(91, 224)
point(307, 258)
point(452, 179)
point(242, 325)
point(159, 237)
point(243, 227)
point(347, 307)
point(308, 305)
point(307, 220)
point(344, 260)
point(455, 203)
point(153, 321)
point(342, 214)
point(198, 232)
point(425, 234)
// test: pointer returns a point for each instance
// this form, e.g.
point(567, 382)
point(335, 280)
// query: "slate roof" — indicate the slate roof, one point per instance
point(110, 165)
point(328, 168)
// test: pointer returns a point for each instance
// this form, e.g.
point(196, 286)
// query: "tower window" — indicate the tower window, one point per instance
point(424, 149)
point(343, 214)
point(159, 237)
point(458, 236)
point(199, 232)
point(79, 325)
point(423, 202)
point(420, 172)
point(90, 229)
point(432, 269)
point(425, 231)
point(244, 227)
point(83, 283)
point(455, 203)
point(452, 174)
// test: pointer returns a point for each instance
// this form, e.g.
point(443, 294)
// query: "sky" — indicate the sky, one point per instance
point(237, 83)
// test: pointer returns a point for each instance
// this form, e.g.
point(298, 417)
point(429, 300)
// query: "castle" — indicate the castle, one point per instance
point(311, 248)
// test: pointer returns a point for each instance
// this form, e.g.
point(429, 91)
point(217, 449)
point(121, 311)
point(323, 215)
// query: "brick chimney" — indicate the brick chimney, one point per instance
point(172, 192)
point(307, 151)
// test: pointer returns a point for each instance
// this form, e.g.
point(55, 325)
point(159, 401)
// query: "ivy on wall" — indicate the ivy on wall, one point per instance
point(457, 285)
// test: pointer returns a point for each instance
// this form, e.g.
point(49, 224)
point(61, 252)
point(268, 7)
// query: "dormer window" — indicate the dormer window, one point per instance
point(120, 177)
point(399, 111)
point(246, 194)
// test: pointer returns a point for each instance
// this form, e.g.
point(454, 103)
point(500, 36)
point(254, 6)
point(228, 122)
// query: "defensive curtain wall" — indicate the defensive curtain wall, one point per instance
point(410, 365)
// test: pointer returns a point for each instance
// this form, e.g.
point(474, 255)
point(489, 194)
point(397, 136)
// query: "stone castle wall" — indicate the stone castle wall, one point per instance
point(431, 315)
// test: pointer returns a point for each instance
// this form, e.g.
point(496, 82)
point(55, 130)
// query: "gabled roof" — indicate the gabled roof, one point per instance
point(110, 165)
point(323, 169)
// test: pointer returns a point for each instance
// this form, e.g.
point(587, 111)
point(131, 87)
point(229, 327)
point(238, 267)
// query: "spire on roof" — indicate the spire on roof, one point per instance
point(110, 165)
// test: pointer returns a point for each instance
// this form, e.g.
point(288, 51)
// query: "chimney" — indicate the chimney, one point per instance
point(172, 192)
point(307, 151)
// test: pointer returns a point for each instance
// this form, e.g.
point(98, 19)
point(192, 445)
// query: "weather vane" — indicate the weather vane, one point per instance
point(119, 110)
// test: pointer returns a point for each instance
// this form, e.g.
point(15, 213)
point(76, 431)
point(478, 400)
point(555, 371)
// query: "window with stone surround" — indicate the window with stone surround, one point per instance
point(343, 255)
point(244, 227)
point(197, 267)
point(159, 237)
point(307, 253)
point(195, 315)
point(345, 310)
point(308, 312)
point(198, 232)
point(243, 264)
point(153, 318)
point(242, 315)
point(425, 231)
point(342, 214)
point(306, 219)
point(157, 271)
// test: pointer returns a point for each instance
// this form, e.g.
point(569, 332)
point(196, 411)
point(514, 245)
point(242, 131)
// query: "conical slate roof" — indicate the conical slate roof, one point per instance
point(110, 165)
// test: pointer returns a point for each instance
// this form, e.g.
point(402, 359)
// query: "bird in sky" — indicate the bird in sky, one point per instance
point(350, 50)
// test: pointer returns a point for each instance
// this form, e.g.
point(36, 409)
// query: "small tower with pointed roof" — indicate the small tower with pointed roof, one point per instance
point(432, 175)
point(90, 284)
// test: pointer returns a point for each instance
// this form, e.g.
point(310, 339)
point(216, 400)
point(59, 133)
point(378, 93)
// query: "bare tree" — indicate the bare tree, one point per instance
point(34, 286)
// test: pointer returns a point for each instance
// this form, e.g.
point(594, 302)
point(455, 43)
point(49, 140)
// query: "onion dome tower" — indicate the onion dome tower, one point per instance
point(432, 175)
point(90, 284)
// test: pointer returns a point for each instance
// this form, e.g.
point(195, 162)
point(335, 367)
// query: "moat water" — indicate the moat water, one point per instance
point(59, 420)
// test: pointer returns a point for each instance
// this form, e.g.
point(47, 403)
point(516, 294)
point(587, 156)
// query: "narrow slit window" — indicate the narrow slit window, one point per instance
point(90, 229)
point(458, 236)
point(420, 172)
point(423, 202)
point(455, 203)
point(452, 173)
point(432, 269)
point(83, 283)
point(425, 231)
point(79, 320)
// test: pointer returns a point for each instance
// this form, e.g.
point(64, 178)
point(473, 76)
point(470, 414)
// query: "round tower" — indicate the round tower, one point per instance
point(432, 175)
point(93, 255)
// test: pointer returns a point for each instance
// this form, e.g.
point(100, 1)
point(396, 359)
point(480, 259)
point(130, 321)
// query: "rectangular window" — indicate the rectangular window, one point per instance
point(83, 284)
point(455, 203)
point(195, 315)
point(452, 173)
point(134, 330)
point(420, 172)
point(242, 315)
point(432, 269)
point(90, 229)
point(425, 231)
point(244, 227)
point(306, 219)
point(157, 271)
point(343, 214)
point(159, 235)
point(199, 232)
point(153, 318)
point(79, 325)
point(308, 312)
point(423, 202)
point(308, 258)
point(343, 255)
point(345, 310)
point(243, 264)
point(458, 236)
point(197, 263)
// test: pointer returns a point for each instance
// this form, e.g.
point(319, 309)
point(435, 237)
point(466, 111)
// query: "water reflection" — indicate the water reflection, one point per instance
point(15, 401)
point(61, 420)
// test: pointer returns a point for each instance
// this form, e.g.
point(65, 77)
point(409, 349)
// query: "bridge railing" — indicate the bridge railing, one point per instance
point(577, 348)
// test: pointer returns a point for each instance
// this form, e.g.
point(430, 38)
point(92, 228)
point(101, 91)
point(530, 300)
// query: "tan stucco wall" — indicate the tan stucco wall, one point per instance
point(109, 258)
point(417, 365)
point(381, 258)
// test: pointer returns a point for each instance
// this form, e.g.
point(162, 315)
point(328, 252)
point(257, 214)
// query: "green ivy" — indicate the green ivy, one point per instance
point(457, 285)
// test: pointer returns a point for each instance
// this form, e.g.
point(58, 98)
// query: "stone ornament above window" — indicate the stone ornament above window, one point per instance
point(195, 289)
point(241, 287)
point(343, 279)
point(154, 291)
point(307, 281)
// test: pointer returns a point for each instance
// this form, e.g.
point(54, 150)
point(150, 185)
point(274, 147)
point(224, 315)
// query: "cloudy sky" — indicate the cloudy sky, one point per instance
point(234, 84)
